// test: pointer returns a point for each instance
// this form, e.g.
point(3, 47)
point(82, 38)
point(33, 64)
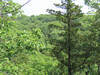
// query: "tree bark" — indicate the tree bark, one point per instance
point(69, 36)
point(98, 69)
point(86, 73)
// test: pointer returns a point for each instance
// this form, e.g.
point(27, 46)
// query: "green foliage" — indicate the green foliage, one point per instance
point(37, 45)
point(22, 51)
point(8, 7)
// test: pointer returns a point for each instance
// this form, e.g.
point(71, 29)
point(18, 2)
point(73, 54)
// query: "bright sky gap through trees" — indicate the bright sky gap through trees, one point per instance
point(37, 7)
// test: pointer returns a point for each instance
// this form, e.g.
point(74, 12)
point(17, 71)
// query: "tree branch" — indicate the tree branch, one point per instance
point(18, 8)
point(25, 3)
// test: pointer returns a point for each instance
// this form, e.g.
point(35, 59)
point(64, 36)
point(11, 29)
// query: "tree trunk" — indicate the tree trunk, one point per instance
point(86, 73)
point(98, 69)
point(69, 36)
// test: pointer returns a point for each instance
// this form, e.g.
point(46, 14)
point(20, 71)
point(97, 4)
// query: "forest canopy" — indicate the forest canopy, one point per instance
point(58, 43)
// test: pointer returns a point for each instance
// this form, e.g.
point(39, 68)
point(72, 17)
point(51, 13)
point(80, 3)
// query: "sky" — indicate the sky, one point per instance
point(37, 7)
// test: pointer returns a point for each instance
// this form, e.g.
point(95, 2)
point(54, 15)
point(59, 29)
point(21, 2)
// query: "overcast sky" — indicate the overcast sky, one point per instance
point(36, 7)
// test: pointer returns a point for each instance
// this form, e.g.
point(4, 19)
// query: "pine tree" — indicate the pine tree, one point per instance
point(69, 17)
